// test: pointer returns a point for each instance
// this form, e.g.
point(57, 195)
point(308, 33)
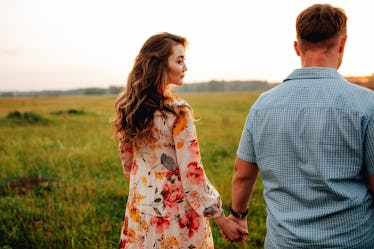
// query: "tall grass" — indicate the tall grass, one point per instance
point(81, 203)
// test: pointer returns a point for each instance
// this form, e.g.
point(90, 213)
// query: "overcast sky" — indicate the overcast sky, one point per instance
point(50, 44)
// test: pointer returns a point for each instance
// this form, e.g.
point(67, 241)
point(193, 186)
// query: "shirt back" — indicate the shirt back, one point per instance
point(309, 137)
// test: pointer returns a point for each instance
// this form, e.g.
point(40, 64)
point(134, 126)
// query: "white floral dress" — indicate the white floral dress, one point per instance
point(170, 198)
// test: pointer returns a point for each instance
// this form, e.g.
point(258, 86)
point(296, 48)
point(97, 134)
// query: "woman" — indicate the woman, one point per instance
point(170, 198)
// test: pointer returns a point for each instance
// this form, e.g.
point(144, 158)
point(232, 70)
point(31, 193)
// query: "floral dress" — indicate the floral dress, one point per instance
point(170, 198)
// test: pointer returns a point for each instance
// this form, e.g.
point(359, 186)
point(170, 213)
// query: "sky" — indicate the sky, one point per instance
point(69, 44)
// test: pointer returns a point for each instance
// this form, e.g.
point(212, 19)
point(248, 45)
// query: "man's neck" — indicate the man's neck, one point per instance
point(320, 58)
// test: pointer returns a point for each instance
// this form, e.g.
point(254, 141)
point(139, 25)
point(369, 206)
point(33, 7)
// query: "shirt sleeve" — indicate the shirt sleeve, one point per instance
point(246, 150)
point(369, 147)
point(200, 193)
point(126, 154)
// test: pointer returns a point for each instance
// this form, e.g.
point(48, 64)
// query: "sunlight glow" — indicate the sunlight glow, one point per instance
point(50, 44)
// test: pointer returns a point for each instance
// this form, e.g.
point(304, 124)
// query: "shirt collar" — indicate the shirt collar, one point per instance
point(313, 73)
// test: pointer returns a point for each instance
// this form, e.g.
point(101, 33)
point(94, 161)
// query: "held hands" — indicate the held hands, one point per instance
point(231, 229)
point(242, 223)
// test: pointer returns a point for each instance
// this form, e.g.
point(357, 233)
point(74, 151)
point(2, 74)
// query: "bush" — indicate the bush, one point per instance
point(70, 112)
point(25, 118)
point(74, 111)
point(14, 115)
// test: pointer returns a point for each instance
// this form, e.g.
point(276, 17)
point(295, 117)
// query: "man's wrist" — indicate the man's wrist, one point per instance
point(239, 215)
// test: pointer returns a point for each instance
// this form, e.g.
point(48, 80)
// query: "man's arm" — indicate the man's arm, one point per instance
point(243, 182)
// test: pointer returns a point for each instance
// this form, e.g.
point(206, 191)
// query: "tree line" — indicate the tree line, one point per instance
point(212, 86)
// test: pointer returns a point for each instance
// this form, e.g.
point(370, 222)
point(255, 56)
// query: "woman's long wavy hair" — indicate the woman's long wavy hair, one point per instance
point(144, 92)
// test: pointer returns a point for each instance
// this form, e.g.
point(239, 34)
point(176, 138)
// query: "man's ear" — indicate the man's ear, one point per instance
point(343, 39)
point(297, 48)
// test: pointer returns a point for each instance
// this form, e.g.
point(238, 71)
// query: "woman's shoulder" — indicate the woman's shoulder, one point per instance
point(178, 101)
point(180, 107)
point(178, 104)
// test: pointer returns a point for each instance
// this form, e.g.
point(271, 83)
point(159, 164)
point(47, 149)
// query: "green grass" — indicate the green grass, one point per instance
point(83, 202)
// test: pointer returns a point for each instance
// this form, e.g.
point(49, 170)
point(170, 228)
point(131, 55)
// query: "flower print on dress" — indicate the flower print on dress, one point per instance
point(160, 224)
point(194, 147)
point(195, 174)
point(169, 242)
point(180, 123)
point(190, 221)
point(134, 213)
point(136, 196)
point(130, 236)
point(172, 176)
point(172, 195)
point(168, 162)
point(160, 175)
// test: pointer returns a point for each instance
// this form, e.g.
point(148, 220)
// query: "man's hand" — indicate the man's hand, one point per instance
point(231, 230)
point(243, 223)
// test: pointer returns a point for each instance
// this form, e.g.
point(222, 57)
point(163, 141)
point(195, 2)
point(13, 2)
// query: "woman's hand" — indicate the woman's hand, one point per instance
point(243, 223)
point(231, 230)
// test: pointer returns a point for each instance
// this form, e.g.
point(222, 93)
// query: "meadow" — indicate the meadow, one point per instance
point(61, 184)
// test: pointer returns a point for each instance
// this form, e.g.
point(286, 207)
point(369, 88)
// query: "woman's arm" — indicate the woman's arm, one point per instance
point(200, 193)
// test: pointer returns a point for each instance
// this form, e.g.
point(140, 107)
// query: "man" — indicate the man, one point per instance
point(312, 140)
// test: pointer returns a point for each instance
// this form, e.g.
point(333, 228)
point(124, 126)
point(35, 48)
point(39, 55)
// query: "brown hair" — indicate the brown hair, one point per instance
point(319, 25)
point(144, 92)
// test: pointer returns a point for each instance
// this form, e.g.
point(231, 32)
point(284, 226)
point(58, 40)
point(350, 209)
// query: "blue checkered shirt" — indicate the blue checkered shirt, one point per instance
point(312, 138)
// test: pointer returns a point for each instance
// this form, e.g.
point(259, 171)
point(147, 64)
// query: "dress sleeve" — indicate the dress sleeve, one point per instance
point(126, 154)
point(200, 193)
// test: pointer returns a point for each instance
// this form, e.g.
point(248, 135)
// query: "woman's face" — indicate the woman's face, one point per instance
point(176, 66)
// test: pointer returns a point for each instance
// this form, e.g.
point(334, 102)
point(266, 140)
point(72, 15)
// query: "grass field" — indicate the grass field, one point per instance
point(61, 184)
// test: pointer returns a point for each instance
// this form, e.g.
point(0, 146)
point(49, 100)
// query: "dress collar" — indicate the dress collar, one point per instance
point(174, 100)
